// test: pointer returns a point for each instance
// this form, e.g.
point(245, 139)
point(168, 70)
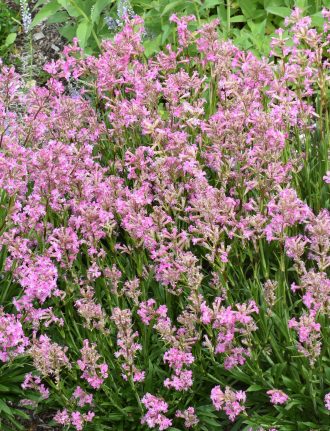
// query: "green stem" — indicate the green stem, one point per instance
point(136, 394)
point(31, 56)
point(87, 18)
point(228, 17)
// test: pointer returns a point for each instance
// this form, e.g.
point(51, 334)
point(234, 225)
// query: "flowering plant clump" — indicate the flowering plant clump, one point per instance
point(231, 402)
point(165, 233)
point(12, 338)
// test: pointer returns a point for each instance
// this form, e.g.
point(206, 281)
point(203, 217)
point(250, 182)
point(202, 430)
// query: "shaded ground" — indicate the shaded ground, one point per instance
point(46, 42)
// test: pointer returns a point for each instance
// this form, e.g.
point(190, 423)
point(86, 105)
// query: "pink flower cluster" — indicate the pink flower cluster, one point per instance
point(76, 419)
point(156, 408)
point(314, 282)
point(34, 382)
point(49, 357)
point(287, 211)
point(82, 397)
point(12, 339)
point(277, 396)
point(177, 359)
point(309, 336)
point(128, 347)
point(189, 416)
point(227, 323)
point(231, 402)
point(327, 401)
point(93, 372)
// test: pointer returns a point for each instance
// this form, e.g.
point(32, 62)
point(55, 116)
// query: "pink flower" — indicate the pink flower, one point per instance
point(49, 357)
point(326, 177)
point(76, 419)
point(82, 397)
point(231, 402)
point(309, 335)
point(128, 347)
point(182, 25)
point(34, 382)
point(177, 359)
point(62, 417)
point(277, 396)
point(93, 372)
point(38, 279)
point(12, 339)
point(189, 416)
point(156, 408)
point(327, 401)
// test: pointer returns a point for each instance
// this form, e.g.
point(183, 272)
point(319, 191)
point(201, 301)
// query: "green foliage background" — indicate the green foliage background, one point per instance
point(249, 22)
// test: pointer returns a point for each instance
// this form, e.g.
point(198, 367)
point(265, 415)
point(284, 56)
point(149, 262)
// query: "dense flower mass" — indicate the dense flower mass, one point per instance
point(155, 412)
point(164, 262)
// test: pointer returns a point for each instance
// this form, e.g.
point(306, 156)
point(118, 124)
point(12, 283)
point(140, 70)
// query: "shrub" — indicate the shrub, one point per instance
point(162, 251)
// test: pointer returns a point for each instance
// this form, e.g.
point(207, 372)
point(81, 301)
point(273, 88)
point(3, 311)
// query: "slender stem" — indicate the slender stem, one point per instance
point(228, 17)
point(31, 56)
point(136, 393)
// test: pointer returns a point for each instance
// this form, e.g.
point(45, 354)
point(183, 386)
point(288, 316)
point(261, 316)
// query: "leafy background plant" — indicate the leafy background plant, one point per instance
point(249, 22)
point(9, 25)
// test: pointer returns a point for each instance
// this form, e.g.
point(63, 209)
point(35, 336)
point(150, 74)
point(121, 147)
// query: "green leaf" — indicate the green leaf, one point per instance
point(255, 388)
point(151, 46)
point(238, 18)
point(98, 8)
point(248, 7)
point(58, 17)
point(22, 414)
point(292, 403)
point(10, 39)
point(257, 28)
point(39, 3)
point(279, 11)
point(212, 422)
point(5, 408)
point(68, 31)
point(166, 30)
point(317, 19)
point(310, 425)
point(115, 416)
point(84, 30)
point(208, 4)
point(4, 388)
point(45, 12)
point(171, 6)
point(72, 11)
point(301, 4)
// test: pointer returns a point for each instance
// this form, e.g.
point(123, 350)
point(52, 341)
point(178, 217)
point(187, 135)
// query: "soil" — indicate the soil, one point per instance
point(47, 43)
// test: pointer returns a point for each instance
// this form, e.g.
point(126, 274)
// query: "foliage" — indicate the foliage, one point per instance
point(8, 29)
point(165, 235)
point(248, 22)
